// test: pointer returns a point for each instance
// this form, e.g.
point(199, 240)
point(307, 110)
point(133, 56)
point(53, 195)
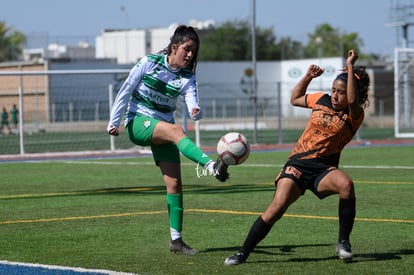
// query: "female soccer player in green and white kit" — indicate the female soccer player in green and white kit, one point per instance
point(149, 95)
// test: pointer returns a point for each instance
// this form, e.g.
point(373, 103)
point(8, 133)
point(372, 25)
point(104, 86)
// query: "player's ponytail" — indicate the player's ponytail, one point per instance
point(363, 82)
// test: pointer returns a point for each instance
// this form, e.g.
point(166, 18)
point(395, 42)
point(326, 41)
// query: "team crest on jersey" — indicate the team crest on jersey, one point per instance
point(176, 82)
point(146, 123)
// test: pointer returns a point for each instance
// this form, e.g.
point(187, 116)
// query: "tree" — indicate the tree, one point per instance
point(11, 42)
point(266, 47)
point(226, 42)
point(290, 49)
point(327, 41)
point(232, 41)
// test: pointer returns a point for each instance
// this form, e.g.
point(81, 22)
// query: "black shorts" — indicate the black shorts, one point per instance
point(305, 175)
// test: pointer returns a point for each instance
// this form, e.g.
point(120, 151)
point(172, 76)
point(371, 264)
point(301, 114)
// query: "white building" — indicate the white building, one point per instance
point(126, 46)
point(129, 45)
point(59, 51)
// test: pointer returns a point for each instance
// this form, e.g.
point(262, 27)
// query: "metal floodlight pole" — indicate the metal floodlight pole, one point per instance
point(407, 92)
point(254, 80)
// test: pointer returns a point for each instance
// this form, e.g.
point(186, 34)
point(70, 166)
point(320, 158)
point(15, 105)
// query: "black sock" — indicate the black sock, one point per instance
point(257, 232)
point(346, 214)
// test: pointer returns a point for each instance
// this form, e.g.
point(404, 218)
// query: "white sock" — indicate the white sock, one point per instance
point(210, 167)
point(174, 234)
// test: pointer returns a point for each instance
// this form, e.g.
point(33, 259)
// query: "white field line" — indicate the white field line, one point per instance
point(402, 167)
point(54, 269)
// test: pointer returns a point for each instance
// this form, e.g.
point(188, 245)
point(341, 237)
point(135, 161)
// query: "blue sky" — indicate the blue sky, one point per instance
point(294, 18)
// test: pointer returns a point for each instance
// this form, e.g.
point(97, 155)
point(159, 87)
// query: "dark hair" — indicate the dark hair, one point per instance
point(362, 80)
point(182, 34)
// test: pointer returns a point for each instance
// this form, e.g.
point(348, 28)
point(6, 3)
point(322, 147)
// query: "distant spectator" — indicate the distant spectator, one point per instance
point(5, 121)
point(14, 116)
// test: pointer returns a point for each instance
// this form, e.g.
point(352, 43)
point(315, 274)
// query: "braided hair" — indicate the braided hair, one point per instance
point(362, 80)
point(181, 35)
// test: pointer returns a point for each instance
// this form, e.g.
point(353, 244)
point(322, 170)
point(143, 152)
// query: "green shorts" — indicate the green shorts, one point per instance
point(140, 130)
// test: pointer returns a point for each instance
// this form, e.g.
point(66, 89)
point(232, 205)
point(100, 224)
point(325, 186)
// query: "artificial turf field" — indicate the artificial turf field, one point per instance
point(111, 214)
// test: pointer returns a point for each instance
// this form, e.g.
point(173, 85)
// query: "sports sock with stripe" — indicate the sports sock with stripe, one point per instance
point(175, 213)
point(192, 152)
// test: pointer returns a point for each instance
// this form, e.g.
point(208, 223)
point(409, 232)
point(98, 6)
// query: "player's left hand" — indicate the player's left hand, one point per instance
point(196, 113)
point(352, 57)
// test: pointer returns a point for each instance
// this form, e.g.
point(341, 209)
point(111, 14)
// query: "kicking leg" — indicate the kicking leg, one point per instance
point(167, 132)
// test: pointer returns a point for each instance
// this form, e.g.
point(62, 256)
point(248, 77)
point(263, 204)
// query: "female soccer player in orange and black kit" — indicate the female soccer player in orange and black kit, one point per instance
point(313, 162)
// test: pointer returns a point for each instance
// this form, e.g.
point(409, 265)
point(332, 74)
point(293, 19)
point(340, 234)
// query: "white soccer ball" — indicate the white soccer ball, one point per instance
point(233, 148)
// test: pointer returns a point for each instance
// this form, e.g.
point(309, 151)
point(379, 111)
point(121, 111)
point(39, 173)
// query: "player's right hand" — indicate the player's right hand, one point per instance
point(113, 130)
point(315, 71)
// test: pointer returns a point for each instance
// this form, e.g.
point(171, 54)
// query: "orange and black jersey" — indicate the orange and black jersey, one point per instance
point(326, 134)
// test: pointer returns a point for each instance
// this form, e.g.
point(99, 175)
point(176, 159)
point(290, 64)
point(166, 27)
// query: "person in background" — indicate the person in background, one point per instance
point(14, 116)
point(149, 95)
point(313, 162)
point(5, 127)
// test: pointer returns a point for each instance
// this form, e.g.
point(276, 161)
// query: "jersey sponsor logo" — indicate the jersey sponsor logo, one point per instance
point(158, 98)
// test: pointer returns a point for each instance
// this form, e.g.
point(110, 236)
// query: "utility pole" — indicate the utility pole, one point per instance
point(254, 66)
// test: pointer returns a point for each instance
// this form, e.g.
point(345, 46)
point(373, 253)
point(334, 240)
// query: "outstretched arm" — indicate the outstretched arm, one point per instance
point(351, 89)
point(298, 94)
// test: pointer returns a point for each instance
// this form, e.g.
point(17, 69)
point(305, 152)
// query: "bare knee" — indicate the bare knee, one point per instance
point(346, 189)
point(287, 192)
point(177, 129)
point(173, 184)
point(274, 212)
point(177, 132)
point(337, 182)
point(167, 132)
point(171, 174)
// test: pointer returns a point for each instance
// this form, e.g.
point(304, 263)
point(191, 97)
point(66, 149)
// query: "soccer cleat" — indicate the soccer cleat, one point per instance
point(220, 170)
point(236, 259)
point(343, 249)
point(179, 245)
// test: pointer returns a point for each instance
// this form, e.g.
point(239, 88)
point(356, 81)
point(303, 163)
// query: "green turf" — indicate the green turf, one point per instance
point(111, 214)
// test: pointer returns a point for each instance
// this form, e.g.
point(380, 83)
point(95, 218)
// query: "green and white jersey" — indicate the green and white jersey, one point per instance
point(152, 89)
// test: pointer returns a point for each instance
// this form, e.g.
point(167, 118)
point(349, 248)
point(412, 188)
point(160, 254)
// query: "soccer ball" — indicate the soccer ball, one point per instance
point(233, 148)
